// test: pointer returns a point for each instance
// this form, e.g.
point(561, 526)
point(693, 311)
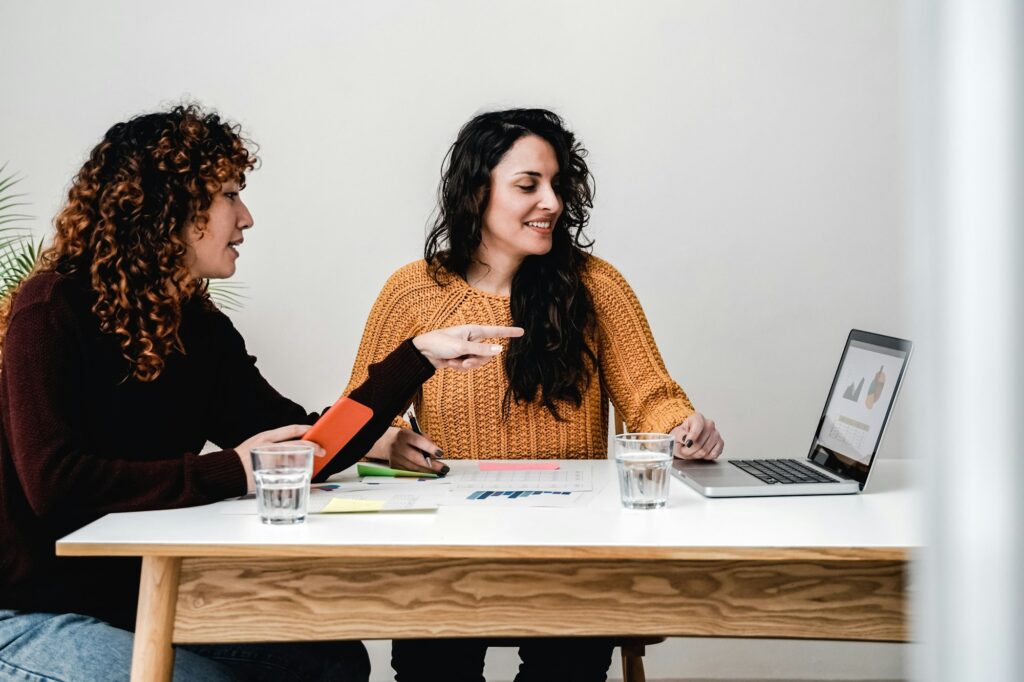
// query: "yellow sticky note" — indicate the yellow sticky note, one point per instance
point(340, 505)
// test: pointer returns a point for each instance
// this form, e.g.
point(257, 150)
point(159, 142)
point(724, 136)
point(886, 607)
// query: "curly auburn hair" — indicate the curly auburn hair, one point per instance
point(552, 361)
point(123, 225)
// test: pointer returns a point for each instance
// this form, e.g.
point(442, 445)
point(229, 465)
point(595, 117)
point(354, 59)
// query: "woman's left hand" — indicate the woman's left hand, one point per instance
point(460, 348)
point(697, 438)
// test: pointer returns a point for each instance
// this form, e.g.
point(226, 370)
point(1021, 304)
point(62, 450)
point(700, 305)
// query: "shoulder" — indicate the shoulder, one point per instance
point(602, 278)
point(413, 285)
point(412, 276)
point(615, 302)
point(61, 296)
point(44, 287)
point(49, 310)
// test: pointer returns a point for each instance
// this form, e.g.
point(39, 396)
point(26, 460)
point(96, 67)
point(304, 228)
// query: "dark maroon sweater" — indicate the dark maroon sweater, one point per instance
point(79, 440)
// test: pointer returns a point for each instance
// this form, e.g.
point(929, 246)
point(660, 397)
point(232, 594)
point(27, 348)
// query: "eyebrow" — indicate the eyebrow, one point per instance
point(532, 174)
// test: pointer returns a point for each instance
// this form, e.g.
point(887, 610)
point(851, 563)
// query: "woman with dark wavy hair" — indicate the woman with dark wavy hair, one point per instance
point(116, 369)
point(508, 247)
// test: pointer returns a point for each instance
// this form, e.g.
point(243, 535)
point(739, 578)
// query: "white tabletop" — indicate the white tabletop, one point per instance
point(885, 516)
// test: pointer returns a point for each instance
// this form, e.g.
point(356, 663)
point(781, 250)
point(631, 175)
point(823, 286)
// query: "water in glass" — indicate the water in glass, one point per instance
point(282, 495)
point(643, 479)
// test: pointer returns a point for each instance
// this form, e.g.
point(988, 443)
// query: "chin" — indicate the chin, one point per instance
point(226, 273)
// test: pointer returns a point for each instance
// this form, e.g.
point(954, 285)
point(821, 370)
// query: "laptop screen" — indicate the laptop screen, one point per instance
point(859, 404)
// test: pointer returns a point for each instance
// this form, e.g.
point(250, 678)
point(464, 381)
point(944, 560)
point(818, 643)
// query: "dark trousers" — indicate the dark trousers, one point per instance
point(565, 659)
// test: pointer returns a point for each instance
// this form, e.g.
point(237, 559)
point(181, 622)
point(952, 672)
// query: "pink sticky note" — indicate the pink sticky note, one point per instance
point(518, 465)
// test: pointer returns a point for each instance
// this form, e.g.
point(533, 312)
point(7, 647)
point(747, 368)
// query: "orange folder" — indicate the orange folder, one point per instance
point(336, 427)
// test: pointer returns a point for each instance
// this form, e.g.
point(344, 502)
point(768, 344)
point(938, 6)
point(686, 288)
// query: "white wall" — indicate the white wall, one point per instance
point(746, 155)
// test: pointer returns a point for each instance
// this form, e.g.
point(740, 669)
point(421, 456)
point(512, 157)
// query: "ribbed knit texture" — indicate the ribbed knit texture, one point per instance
point(461, 412)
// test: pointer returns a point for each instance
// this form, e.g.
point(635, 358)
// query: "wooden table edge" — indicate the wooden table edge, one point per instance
point(523, 552)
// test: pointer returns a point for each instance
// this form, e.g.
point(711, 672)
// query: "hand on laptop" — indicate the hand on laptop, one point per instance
point(697, 438)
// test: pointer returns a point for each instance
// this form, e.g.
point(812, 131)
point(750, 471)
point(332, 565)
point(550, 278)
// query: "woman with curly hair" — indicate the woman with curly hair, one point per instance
point(116, 369)
point(508, 247)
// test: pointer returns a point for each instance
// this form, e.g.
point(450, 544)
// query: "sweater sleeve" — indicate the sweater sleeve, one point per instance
point(62, 479)
point(249, 404)
point(246, 403)
point(392, 319)
point(387, 390)
point(631, 366)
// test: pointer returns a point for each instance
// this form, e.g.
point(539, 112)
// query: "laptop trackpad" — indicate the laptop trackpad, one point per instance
point(714, 473)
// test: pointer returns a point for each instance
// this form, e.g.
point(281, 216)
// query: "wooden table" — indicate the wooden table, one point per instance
point(810, 567)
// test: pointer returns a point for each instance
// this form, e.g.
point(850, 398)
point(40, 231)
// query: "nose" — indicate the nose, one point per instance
point(245, 220)
point(549, 199)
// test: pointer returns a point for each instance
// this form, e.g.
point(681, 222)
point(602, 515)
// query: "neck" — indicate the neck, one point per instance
point(492, 271)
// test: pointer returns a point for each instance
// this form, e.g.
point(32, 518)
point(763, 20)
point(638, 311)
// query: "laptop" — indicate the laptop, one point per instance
point(845, 443)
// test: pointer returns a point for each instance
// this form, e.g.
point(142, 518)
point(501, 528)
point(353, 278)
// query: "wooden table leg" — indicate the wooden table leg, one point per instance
point(152, 653)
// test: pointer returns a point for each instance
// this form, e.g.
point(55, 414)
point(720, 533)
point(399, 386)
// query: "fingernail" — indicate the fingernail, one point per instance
point(444, 470)
point(689, 443)
point(495, 349)
point(439, 453)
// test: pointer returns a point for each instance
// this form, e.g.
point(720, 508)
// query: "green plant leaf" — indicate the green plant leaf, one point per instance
point(227, 295)
point(18, 249)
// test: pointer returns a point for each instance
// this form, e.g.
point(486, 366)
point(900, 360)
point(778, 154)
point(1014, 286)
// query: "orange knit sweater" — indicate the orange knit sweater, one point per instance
point(461, 411)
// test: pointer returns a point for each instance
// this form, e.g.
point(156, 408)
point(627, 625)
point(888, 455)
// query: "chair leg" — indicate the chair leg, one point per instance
point(633, 663)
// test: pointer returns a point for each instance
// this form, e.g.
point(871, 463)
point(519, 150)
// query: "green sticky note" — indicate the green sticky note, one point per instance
point(339, 505)
point(364, 469)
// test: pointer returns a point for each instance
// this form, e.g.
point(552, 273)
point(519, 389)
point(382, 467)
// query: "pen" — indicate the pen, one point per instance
point(416, 429)
point(426, 455)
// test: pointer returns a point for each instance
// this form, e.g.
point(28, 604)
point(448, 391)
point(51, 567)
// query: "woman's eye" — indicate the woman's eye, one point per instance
point(527, 188)
point(231, 195)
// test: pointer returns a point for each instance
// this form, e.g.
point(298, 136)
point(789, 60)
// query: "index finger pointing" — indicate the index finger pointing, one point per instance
point(496, 333)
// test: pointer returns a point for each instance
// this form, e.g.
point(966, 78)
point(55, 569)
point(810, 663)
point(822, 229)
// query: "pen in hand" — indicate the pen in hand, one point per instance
point(426, 455)
point(416, 429)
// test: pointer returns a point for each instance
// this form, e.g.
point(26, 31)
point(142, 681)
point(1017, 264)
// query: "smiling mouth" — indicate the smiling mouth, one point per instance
point(234, 245)
point(542, 225)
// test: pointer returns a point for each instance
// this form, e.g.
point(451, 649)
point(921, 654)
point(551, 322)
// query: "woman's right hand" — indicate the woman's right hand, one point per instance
point(459, 347)
point(404, 448)
point(283, 434)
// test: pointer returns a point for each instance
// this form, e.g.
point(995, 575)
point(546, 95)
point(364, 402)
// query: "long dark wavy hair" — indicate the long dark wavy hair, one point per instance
point(549, 299)
point(122, 228)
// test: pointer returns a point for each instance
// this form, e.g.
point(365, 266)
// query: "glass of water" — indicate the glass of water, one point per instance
point(282, 472)
point(643, 461)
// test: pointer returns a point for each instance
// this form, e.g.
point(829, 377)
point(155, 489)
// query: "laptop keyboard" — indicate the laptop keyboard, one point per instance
point(781, 471)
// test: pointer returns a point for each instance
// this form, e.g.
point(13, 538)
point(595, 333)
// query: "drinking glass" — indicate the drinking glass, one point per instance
point(643, 462)
point(282, 472)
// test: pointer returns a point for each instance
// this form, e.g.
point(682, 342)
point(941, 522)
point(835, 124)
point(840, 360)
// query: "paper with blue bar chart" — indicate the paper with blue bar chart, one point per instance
point(476, 484)
point(571, 484)
point(467, 485)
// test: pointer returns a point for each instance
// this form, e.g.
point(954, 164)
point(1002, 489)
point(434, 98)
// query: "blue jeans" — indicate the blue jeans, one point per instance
point(47, 647)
